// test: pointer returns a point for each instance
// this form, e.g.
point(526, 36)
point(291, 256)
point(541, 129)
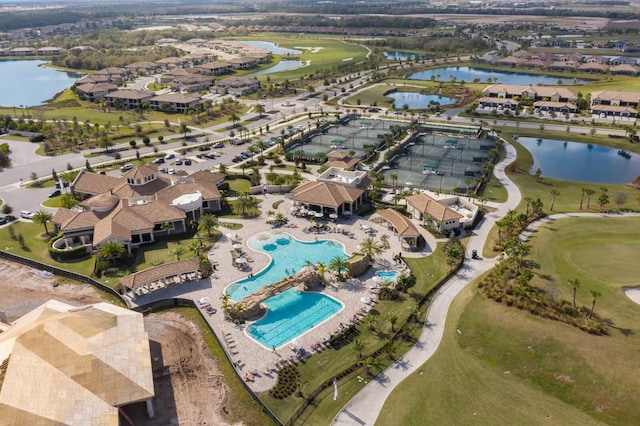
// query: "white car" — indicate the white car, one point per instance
point(26, 214)
point(172, 171)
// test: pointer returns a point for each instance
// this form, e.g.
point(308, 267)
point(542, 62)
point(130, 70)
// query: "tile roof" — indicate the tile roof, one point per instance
point(167, 195)
point(94, 183)
point(402, 224)
point(432, 207)
point(325, 194)
point(89, 361)
point(156, 273)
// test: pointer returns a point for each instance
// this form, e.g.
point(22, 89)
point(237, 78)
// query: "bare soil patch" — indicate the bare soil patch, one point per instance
point(190, 389)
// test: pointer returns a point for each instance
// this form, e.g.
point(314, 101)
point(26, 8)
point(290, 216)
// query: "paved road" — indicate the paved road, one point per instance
point(364, 407)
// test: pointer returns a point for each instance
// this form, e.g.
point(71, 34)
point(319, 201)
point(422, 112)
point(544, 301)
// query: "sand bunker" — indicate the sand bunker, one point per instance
point(632, 293)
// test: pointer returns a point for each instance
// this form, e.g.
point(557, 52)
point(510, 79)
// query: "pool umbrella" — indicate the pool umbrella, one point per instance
point(319, 215)
point(296, 342)
point(236, 246)
point(232, 235)
point(293, 208)
point(365, 300)
point(333, 216)
point(241, 260)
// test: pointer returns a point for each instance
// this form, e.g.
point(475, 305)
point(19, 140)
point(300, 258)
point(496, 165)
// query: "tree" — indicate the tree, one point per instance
point(184, 129)
point(370, 321)
point(67, 201)
point(390, 349)
point(575, 284)
point(583, 192)
point(370, 363)
point(338, 265)
point(244, 203)
point(370, 247)
point(358, 345)
point(589, 192)
point(595, 294)
point(111, 250)
point(178, 250)
point(620, 198)
point(603, 200)
point(393, 319)
point(42, 217)
point(207, 223)
point(260, 110)
point(394, 178)
point(554, 194)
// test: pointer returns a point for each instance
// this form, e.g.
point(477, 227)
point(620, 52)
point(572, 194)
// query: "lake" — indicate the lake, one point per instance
point(467, 74)
point(417, 100)
point(581, 162)
point(398, 55)
point(25, 82)
point(283, 65)
point(272, 47)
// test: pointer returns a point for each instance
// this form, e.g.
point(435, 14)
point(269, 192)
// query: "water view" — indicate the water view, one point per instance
point(468, 74)
point(582, 162)
point(418, 100)
point(272, 47)
point(397, 55)
point(27, 83)
point(283, 65)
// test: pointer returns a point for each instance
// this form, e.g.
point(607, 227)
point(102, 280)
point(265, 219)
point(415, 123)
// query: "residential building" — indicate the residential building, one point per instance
point(175, 102)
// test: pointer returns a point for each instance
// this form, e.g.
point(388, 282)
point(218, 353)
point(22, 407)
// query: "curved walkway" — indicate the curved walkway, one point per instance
point(364, 407)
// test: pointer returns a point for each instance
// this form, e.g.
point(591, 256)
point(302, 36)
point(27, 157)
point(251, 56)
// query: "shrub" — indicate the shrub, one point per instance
point(287, 382)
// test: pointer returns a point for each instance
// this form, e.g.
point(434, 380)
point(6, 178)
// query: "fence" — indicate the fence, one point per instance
point(63, 273)
point(167, 303)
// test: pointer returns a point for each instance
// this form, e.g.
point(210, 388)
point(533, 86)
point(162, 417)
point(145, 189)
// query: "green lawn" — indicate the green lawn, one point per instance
point(429, 271)
point(508, 367)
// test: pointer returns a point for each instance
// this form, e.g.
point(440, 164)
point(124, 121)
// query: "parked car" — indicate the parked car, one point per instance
point(204, 148)
point(127, 167)
point(172, 171)
point(169, 156)
point(187, 162)
point(26, 214)
point(3, 220)
point(237, 159)
point(65, 184)
point(178, 162)
point(55, 193)
point(219, 145)
point(158, 160)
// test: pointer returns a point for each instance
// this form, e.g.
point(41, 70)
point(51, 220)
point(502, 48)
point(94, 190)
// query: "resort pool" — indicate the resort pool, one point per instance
point(290, 314)
point(288, 256)
point(388, 275)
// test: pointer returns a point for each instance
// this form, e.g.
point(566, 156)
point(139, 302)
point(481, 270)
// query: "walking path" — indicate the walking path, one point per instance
point(364, 407)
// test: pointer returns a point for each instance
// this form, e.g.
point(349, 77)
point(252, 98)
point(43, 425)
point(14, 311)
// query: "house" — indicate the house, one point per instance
point(93, 92)
point(556, 107)
point(142, 68)
point(341, 160)
point(175, 102)
point(214, 68)
point(64, 364)
point(444, 214)
point(497, 103)
point(115, 74)
point(22, 51)
point(171, 62)
point(334, 191)
point(49, 51)
point(136, 208)
point(624, 69)
point(191, 82)
point(130, 99)
point(237, 85)
point(594, 67)
point(536, 93)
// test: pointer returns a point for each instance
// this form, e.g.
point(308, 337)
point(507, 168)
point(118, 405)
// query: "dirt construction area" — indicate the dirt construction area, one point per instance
point(190, 389)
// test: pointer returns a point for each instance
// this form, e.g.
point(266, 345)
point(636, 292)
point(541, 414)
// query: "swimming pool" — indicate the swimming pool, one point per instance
point(291, 313)
point(390, 275)
point(288, 256)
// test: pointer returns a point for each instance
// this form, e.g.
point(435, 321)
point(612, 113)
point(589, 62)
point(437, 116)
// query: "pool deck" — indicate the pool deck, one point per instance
point(246, 354)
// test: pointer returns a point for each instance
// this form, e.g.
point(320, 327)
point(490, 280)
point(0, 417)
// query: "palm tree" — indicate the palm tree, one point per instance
point(184, 129)
point(583, 192)
point(338, 265)
point(358, 345)
point(260, 110)
point(370, 247)
point(41, 218)
point(393, 319)
point(196, 245)
point(589, 193)
point(370, 363)
point(595, 294)
point(370, 321)
point(394, 178)
point(575, 284)
point(390, 349)
point(111, 250)
point(207, 223)
point(554, 194)
point(178, 250)
point(225, 301)
point(223, 169)
point(244, 203)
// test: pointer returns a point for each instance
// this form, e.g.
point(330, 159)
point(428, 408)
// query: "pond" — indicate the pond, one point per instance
point(581, 162)
point(283, 65)
point(273, 48)
point(398, 55)
point(26, 82)
point(468, 74)
point(417, 100)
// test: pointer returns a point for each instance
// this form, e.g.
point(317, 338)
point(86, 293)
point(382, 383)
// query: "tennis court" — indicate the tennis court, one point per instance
point(354, 135)
point(439, 161)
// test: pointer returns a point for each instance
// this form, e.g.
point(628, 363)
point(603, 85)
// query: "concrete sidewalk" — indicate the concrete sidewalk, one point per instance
point(364, 407)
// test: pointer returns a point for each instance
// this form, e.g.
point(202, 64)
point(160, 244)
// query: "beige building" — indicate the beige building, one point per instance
point(67, 365)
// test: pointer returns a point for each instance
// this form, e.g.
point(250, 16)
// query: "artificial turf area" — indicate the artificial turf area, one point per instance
point(509, 367)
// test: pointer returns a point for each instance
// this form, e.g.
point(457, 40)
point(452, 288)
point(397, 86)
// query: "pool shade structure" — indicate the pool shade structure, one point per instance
point(451, 141)
point(337, 141)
